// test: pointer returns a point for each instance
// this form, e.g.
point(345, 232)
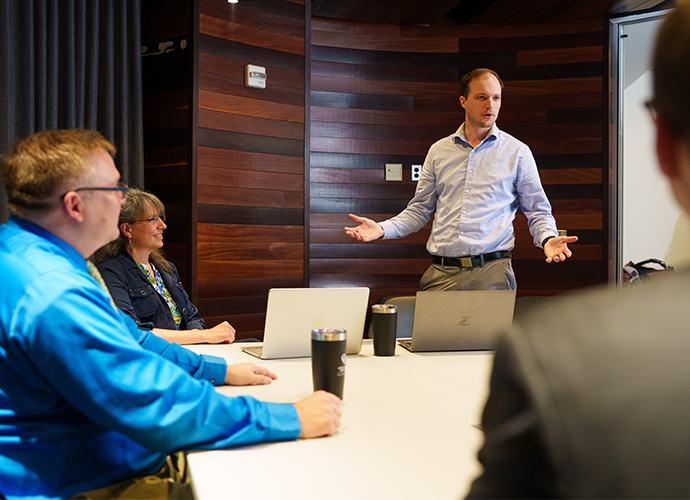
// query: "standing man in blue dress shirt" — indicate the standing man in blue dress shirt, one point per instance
point(88, 404)
point(474, 181)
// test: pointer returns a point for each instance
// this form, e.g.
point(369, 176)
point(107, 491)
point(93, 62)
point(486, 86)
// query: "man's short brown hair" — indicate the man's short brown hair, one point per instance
point(671, 65)
point(49, 163)
point(473, 75)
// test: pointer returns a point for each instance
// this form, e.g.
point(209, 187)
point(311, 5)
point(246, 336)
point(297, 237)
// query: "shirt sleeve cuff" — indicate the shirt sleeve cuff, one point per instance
point(284, 422)
point(388, 230)
point(212, 369)
point(545, 235)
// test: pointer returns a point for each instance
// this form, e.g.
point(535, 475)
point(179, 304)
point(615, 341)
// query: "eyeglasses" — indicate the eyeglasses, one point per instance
point(153, 220)
point(121, 189)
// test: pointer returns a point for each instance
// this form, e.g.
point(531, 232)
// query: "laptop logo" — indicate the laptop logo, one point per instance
point(317, 322)
point(464, 321)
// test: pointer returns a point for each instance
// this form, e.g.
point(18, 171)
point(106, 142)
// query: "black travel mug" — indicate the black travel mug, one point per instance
point(328, 360)
point(384, 321)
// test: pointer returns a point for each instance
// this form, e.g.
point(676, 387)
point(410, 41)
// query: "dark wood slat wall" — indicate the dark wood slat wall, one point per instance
point(384, 94)
point(250, 229)
point(167, 69)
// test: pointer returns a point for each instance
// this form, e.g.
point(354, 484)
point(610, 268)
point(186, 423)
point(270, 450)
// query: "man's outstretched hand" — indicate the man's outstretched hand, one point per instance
point(556, 249)
point(368, 230)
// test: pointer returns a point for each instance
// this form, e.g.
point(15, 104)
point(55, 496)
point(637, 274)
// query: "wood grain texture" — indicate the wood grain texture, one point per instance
point(244, 179)
point(233, 306)
point(231, 251)
point(228, 214)
point(254, 15)
point(370, 146)
point(249, 35)
point(383, 73)
point(250, 53)
point(260, 108)
point(404, 88)
point(250, 142)
point(447, 45)
point(245, 160)
point(214, 288)
point(559, 56)
point(244, 268)
point(243, 197)
point(232, 70)
point(225, 233)
point(164, 157)
point(250, 125)
point(344, 160)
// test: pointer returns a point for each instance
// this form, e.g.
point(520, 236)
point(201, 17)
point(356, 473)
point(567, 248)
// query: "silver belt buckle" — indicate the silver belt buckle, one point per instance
point(466, 261)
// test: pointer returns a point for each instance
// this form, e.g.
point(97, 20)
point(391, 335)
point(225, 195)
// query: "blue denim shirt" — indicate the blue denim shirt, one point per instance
point(82, 403)
point(473, 194)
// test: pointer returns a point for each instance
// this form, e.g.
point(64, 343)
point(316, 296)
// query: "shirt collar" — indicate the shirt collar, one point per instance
point(69, 250)
point(492, 135)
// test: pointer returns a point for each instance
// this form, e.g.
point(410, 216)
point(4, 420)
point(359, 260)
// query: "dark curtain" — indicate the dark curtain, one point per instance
point(72, 63)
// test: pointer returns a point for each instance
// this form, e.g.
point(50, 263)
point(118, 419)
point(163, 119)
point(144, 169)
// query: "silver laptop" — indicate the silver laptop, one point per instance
point(459, 320)
point(292, 313)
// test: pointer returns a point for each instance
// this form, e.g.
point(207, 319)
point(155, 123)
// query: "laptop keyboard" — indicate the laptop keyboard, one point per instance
point(406, 343)
point(256, 351)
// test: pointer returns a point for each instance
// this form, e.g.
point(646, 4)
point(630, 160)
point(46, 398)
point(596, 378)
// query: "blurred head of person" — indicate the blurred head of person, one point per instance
point(670, 105)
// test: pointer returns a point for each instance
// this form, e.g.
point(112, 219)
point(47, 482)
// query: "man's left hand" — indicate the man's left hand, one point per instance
point(556, 249)
point(249, 374)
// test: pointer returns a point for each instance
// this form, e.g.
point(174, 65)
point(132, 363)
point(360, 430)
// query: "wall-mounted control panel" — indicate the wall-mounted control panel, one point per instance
point(393, 171)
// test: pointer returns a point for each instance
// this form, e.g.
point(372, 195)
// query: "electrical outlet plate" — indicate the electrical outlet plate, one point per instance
point(416, 172)
point(393, 171)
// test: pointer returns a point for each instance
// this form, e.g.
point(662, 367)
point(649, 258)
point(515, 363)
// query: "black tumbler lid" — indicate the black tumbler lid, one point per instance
point(328, 334)
point(384, 309)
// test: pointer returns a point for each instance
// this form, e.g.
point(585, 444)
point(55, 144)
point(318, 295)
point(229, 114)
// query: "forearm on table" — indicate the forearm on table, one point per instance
point(182, 337)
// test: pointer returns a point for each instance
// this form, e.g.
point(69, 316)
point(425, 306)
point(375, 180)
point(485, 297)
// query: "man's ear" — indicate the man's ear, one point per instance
point(667, 148)
point(463, 101)
point(73, 206)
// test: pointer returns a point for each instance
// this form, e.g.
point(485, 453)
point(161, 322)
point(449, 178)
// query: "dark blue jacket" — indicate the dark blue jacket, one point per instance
point(137, 298)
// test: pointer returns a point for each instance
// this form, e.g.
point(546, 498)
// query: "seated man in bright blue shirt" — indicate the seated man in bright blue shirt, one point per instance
point(87, 401)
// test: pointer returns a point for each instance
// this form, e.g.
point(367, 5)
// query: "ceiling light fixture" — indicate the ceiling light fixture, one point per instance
point(233, 1)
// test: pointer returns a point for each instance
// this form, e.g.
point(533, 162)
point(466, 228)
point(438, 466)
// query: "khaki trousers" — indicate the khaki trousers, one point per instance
point(495, 275)
point(171, 482)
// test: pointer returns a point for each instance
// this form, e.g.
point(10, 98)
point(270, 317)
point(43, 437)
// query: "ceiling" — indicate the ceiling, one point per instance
point(477, 12)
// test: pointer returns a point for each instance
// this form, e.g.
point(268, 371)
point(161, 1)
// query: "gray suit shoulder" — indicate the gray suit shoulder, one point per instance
point(607, 372)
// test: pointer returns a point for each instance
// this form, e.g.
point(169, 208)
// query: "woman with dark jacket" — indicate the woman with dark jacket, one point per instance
point(144, 285)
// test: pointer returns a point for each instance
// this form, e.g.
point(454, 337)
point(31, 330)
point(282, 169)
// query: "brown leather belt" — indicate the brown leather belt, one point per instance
point(471, 260)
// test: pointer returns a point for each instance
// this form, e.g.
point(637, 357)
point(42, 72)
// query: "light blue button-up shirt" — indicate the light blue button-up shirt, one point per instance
point(82, 403)
point(474, 193)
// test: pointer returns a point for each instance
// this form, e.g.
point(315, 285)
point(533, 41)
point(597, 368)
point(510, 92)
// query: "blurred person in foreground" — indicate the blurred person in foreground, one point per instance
point(89, 405)
point(590, 399)
point(144, 285)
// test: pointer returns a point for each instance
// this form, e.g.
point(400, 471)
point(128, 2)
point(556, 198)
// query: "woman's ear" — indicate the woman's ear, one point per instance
point(126, 229)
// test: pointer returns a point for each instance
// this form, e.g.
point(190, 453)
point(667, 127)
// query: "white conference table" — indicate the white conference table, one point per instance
point(407, 431)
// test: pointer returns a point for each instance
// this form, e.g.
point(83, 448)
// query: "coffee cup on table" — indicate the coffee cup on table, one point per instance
point(328, 360)
point(384, 322)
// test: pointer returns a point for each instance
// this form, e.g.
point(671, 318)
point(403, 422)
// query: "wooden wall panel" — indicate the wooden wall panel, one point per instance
point(167, 66)
point(250, 229)
point(384, 94)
